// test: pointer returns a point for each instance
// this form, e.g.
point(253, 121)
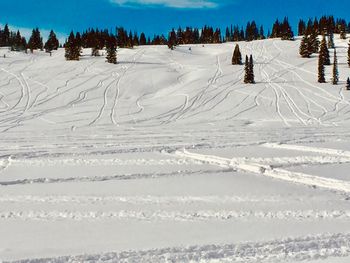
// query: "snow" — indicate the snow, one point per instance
point(168, 157)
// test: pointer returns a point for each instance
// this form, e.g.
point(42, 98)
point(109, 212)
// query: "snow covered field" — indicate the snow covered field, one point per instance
point(168, 157)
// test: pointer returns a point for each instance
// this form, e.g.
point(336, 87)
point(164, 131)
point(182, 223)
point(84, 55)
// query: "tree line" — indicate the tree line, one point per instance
point(310, 44)
point(97, 38)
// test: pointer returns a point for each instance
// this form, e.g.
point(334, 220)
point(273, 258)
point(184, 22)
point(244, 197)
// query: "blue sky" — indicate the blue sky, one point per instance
point(158, 16)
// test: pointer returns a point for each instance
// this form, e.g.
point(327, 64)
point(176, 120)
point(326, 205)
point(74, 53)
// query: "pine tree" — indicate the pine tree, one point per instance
point(251, 70)
point(19, 42)
point(304, 49)
point(35, 41)
point(331, 40)
point(286, 30)
point(335, 69)
point(348, 84)
point(324, 53)
point(237, 56)
point(172, 39)
point(343, 31)
point(143, 40)
point(72, 48)
point(301, 28)
point(52, 42)
point(349, 54)
point(321, 77)
point(314, 43)
point(6, 36)
point(95, 45)
point(111, 47)
point(246, 71)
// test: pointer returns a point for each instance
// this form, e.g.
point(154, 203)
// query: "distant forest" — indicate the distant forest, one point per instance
point(98, 38)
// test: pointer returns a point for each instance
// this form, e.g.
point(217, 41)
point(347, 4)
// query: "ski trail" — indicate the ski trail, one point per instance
point(22, 88)
point(27, 106)
point(290, 103)
point(196, 99)
point(306, 99)
point(294, 249)
point(151, 200)
point(277, 98)
point(301, 148)
point(105, 101)
point(116, 98)
point(104, 178)
point(190, 216)
point(268, 171)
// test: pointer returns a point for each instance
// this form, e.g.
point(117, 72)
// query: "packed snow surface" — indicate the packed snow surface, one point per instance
point(168, 157)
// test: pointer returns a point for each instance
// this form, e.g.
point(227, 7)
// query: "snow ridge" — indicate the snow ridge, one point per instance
point(297, 249)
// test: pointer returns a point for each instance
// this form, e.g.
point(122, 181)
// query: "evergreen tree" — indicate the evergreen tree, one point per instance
point(261, 33)
point(19, 43)
point(321, 74)
point(72, 48)
point(304, 49)
point(52, 42)
point(314, 43)
point(251, 70)
point(6, 36)
point(172, 40)
point(95, 50)
point(136, 40)
point(348, 84)
point(143, 40)
point(286, 30)
point(111, 47)
point(342, 31)
point(301, 27)
point(335, 69)
point(79, 41)
point(324, 53)
point(246, 71)
point(349, 54)
point(35, 41)
point(95, 43)
point(331, 40)
point(237, 56)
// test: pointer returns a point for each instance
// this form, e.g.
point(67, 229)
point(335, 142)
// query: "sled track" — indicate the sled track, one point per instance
point(277, 173)
point(292, 249)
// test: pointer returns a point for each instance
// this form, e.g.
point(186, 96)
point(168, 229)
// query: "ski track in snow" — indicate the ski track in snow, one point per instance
point(207, 215)
point(165, 200)
point(277, 173)
point(301, 249)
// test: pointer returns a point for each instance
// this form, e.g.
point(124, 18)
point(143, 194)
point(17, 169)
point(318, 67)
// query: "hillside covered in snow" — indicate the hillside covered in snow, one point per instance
point(168, 156)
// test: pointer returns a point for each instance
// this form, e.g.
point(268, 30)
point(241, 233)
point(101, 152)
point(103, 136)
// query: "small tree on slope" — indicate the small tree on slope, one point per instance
point(251, 70)
point(52, 42)
point(324, 53)
point(111, 46)
point(331, 40)
point(237, 56)
point(313, 43)
point(35, 41)
point(349, 54)
point(348, 84)
point(335, 69)
point(304, 50)
point(321, 77)
point(246, 70)
point(72, 48)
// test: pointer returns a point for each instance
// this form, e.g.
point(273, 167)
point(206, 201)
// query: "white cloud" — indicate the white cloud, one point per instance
point(195, 4)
